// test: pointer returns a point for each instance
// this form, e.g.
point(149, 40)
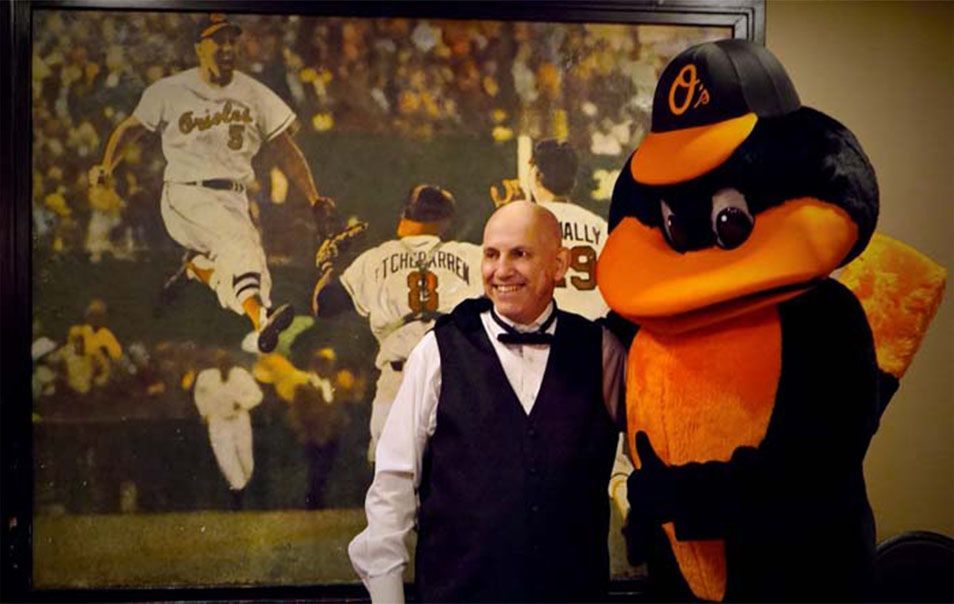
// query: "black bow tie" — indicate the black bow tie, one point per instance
point(512, 336)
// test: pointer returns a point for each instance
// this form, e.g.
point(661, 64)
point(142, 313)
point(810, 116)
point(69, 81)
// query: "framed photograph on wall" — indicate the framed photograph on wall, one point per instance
point(134, 476)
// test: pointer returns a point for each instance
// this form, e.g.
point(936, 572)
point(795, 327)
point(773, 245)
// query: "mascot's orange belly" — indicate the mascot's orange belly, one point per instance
point(699, 396)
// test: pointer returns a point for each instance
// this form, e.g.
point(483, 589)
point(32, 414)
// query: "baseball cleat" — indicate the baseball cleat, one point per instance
point(278, 318)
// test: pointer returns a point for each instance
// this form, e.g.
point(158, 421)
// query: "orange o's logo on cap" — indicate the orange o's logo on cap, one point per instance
point(687, 83)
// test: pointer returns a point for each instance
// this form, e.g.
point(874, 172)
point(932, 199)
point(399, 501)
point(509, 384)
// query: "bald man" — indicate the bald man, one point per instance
point(501, 439)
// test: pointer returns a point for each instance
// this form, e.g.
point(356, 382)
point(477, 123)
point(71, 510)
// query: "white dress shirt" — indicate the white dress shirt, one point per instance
point(379, 553)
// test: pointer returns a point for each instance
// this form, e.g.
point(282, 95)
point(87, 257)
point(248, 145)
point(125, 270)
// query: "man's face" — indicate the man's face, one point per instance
point(522, 260)
point(217, 54)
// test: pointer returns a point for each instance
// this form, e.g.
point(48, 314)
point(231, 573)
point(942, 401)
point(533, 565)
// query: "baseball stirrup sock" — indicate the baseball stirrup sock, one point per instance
point(247, 282)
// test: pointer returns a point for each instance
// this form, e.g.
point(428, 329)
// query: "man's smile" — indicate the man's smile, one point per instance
point(507, 288)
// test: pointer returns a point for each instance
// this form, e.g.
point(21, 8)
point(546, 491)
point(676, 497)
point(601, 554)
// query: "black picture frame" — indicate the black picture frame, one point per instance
point(746, 18)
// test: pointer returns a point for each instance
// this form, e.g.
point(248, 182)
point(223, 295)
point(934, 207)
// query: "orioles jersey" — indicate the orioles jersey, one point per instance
point(403, 284)
point(211, 132)
point(584, 234)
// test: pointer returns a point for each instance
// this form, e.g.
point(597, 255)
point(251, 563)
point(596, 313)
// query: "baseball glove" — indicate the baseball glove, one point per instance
point(329, 250)
point(324, 212)
point(99, 176)
point(512, 191)
point(332, 246)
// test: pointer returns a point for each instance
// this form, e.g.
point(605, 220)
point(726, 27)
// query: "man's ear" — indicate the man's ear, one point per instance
point(562, 263)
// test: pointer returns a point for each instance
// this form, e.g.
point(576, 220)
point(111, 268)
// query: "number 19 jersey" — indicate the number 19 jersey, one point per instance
point(584, 234)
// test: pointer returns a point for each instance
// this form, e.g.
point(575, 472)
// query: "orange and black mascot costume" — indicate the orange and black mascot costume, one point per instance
point(753, 384)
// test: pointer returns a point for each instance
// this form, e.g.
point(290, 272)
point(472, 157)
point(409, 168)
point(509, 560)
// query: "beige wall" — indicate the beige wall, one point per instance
point(886, 70)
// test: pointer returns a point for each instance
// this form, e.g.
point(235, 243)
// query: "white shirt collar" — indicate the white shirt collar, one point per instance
point(532, 326)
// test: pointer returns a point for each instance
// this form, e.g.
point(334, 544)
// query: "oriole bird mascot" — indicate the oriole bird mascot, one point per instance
point(753, 385)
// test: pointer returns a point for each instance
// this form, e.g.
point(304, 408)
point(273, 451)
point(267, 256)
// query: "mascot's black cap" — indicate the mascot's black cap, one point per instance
point(212, 24)
point(428, 203)
point(706, 104)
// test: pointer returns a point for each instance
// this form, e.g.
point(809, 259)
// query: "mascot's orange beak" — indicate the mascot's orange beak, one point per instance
point(647, 282)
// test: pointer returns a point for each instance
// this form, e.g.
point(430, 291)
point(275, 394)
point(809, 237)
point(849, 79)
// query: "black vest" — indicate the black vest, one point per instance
point(514, 508)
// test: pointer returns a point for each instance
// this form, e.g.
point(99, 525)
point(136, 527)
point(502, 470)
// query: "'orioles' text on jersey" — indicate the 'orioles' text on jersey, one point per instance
point(211, 131)
point(402, 284)
point(584, 234)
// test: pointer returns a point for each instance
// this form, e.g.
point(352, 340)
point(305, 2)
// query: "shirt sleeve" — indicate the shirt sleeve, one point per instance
point(379, 553)
point(618, 486)
point(204, 398)
point(276, 115)
point(614, 372)
point(358, 284)
point(109, 343)
point(614, 394)
point(149, 111)
point(247, 392)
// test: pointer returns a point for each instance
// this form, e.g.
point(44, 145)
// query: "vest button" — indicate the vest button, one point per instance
point(531, 433)
point(534, 508)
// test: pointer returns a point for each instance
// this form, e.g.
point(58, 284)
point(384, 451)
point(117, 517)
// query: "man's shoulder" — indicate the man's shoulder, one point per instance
point(186, 77)
point(466, 315)
point(581, 328)
point(376, 253)
point(461, 246)
point(206, 374)
point(247, 82)
point(578, 319)
point(568, 209)
point(244, 79)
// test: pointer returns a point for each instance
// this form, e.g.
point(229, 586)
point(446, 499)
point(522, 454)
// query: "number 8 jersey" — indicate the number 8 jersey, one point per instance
point(211, 132)
point(402, 284)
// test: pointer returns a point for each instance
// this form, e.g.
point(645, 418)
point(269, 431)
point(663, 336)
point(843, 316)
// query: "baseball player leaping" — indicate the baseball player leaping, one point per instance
point(213, 120)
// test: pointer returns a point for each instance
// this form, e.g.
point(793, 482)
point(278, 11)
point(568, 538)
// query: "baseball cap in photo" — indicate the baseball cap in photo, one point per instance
point(707, 102)
point(213, 23)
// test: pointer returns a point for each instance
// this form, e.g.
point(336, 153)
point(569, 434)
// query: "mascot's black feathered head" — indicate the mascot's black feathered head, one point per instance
point(739, 197)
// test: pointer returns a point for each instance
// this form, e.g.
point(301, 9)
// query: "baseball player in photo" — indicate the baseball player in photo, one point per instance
point(553, 168)
point(402, 286)
point(224, 394)
point(552, 175)
point(213, 119)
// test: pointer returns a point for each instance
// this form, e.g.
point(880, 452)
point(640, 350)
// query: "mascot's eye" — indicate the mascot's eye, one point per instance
point(676, 232)
point(731, 221)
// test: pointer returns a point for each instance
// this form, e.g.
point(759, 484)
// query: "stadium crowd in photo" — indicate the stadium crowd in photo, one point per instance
point(383, 104)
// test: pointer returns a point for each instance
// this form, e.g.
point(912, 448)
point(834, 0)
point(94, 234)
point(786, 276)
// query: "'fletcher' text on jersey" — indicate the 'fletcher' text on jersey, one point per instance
point(414, 260)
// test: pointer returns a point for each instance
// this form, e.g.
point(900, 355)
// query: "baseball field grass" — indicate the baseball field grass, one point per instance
point(211, 548)
point(206, 548)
